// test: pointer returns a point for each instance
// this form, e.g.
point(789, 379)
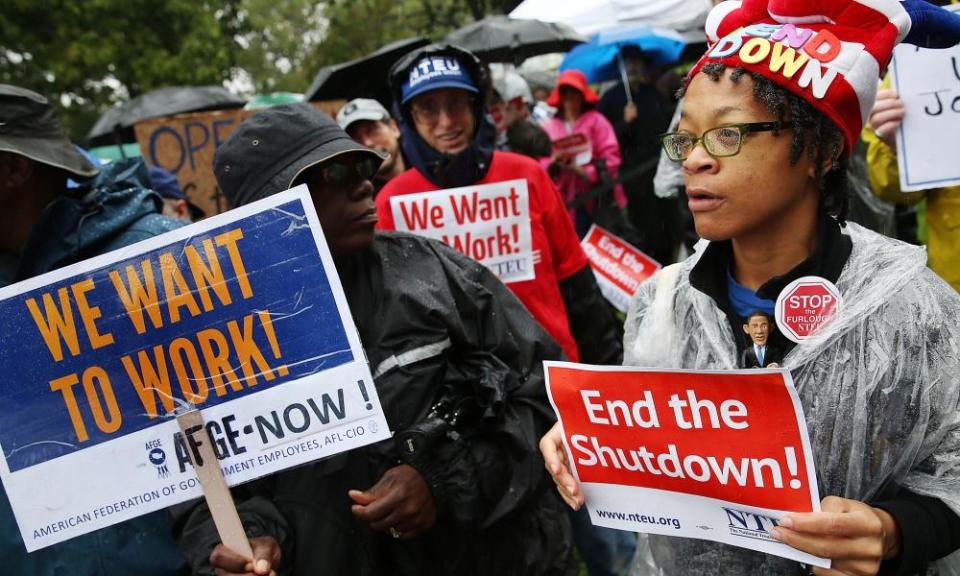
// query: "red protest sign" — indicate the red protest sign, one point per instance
point(806, 305)
point(575, 148)
point(619, 267)
point(702, 454)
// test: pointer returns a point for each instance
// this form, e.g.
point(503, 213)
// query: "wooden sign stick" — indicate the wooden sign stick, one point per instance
point(215, 489)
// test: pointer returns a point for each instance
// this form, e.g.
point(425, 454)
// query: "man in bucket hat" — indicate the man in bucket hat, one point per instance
point(44, 226)
point(457, 362)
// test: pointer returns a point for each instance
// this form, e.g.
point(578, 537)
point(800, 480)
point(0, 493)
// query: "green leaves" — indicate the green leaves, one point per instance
point(89, 55)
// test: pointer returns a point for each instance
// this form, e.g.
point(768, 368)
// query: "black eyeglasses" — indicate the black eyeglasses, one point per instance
point(720, 142)
point(341, 173)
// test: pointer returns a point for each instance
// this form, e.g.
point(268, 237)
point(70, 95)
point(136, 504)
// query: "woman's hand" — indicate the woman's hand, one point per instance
point(886, 117)
point(855, 536)
point(555, 459)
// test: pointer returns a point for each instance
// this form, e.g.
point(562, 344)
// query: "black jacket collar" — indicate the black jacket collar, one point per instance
point(829, 256)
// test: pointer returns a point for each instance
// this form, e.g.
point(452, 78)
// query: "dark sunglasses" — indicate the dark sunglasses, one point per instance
point(340, 173)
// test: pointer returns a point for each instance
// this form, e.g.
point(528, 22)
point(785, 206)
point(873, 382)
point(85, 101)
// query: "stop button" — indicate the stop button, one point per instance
point(806, 305)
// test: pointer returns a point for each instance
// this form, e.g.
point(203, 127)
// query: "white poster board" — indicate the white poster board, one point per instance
point(489, 223)
point(928, 82)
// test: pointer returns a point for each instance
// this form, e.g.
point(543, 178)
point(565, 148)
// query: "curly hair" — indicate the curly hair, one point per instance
point(812, 132)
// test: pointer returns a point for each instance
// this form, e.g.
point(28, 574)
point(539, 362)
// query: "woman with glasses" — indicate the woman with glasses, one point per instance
point(579, 169)
point(770, 117)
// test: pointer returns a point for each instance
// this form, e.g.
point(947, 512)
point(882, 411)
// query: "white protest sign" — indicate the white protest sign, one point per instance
point(241, 315)
point(715, 455)
point(928, 82)
point(489, 223)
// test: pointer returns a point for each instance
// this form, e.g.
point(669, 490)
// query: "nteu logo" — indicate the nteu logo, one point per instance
point(750, 524)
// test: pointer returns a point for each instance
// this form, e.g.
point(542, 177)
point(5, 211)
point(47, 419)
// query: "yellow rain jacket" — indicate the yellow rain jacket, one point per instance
point(943, 208)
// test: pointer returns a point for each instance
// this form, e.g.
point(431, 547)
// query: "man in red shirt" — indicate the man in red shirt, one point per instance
point(450, 143)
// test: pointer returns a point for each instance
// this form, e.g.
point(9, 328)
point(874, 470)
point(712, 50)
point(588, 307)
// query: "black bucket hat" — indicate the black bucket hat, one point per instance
point(29, 127)
point(268, 151)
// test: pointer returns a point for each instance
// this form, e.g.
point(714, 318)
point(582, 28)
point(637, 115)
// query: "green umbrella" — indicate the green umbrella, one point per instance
point(272, 99)
point(112, 152)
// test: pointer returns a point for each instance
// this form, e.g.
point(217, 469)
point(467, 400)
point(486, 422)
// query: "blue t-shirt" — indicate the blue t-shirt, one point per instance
point(744, 300)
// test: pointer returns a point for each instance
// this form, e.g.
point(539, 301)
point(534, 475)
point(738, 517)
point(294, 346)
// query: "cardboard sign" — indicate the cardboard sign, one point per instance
point(575, 149)
point(619, 267)
point(185, 144)
point(806, 305)
point(718, 455)
point(241, 315)
point(928, 82)
point(489, 223)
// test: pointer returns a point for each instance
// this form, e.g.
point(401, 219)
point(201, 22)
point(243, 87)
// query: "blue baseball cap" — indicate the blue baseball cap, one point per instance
point(433, 73)
point(165, 184)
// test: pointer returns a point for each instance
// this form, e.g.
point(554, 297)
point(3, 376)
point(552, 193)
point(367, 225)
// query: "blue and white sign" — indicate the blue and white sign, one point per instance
point(241, 315)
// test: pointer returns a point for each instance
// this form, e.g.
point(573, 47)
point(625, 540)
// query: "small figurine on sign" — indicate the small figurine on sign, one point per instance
point(762, 354)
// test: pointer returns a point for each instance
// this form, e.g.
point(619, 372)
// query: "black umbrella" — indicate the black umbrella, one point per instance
point(117, 123)
point(365, 77)
point(504, 39)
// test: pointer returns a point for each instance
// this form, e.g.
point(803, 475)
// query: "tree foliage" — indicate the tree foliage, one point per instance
point(276, 38)
point(86, 55)
point(89, 55)
point(358, 27)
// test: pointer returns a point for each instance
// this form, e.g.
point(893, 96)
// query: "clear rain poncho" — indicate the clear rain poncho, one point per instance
point(880, 387)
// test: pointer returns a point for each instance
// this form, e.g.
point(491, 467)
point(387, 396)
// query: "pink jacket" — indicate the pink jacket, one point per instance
point(605, 145)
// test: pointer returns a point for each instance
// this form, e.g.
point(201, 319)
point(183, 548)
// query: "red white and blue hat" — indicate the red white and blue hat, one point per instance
point(831, 53)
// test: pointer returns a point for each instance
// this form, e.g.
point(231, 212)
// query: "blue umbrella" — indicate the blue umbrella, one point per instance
point(600, 59)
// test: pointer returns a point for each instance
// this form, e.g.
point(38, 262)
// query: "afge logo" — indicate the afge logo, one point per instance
point(158, 458)
point(750, 524)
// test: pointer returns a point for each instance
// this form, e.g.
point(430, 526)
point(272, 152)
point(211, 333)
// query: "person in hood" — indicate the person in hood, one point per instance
point(44, 225)
point(440, 102)
point(458, 366)
point(763, 154)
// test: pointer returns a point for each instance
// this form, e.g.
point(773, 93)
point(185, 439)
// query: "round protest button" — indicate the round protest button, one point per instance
point(806, 305)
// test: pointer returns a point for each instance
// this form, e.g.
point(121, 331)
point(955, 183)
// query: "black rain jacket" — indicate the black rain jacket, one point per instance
point(437, 329)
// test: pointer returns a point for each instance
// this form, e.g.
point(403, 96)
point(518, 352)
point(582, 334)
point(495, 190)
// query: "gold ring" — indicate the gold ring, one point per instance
point(394, 533)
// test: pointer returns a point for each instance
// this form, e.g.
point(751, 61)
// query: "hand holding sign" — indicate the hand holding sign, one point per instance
point(886, 117)
point(266, 555)
point(854, 535)
point(555, 460)
point(241, 316)
point(711, 455)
